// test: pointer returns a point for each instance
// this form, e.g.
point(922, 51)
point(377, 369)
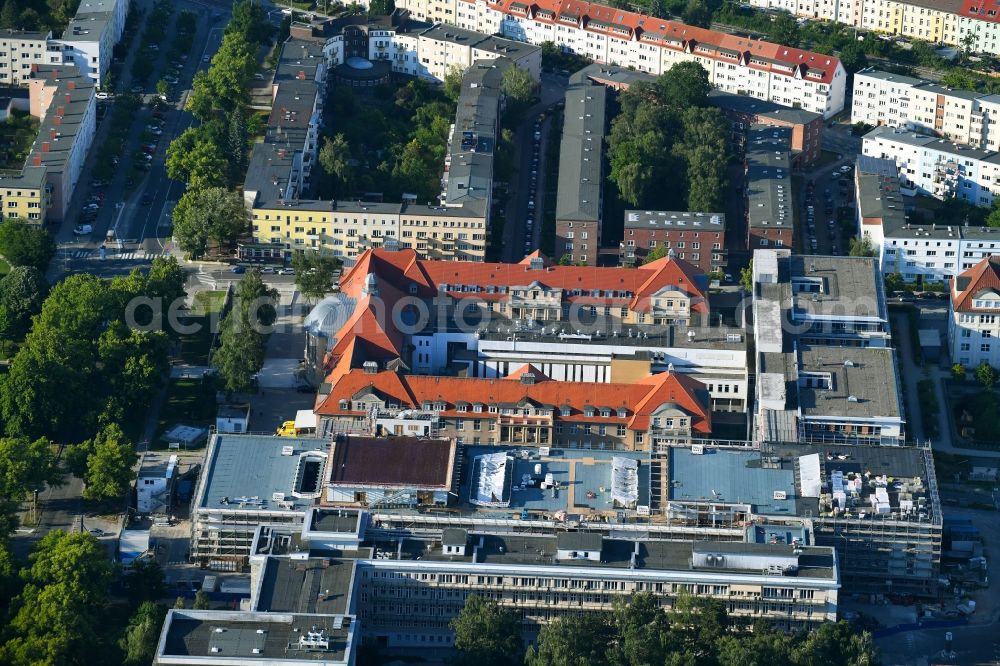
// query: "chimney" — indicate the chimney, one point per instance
point(68, 98)
point(52, 133)
point(56, 121)
point(61, 111)
point(45, 146)
point(37, 161)
point(72, 85)
point(301, 76)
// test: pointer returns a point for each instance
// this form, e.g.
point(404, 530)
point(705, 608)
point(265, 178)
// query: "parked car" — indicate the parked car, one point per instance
point(83, 230)
point(266, 270)
point(238, 269)
point(286, 271)
point(103, 95)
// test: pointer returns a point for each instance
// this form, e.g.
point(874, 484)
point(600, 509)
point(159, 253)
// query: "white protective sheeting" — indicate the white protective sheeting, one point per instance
point(489, 486)
point(809, 481)
point(624, 480)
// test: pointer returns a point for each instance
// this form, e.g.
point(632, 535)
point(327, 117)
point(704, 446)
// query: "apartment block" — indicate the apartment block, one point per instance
point(788, 76)
point(743, 112)
point(971, 24)
point(20, 49)
point(579, 195)
point(769, 197)
point(936, 167)
point(90, 38)
point(825, 368)
point(699, 238)
point(973, 331)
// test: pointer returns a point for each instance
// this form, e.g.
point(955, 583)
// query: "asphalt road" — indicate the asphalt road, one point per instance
point(143, 230)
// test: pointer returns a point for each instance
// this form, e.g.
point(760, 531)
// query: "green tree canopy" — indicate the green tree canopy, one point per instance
point(486, 633)
point(243, 333)
point(453, 81)
point(573, 640)
point(22, 292)
point(862, 247)
point(142, 634)
point(986, 375)
point(26, 244)
point(518, 86)
point(109, 464)
point(314, 273)
point(746, 277)
point(213, 214)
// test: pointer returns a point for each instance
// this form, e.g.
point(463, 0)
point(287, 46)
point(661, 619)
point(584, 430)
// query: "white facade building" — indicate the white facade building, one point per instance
point(785, 75)
point(90, 38)
point(974, 315)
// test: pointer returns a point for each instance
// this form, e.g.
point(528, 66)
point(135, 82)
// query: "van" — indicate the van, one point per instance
point(287, 429)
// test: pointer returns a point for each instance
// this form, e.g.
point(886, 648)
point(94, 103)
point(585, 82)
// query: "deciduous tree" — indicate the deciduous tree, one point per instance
point(212, 214)
point(487, 633)
point(26, 244)
point(314, 273)
point(142, 633)
point(109, 464)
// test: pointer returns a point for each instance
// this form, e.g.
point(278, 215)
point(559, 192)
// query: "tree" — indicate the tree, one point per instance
point(655, 254)
point(853, 57)
point(836, 644)
point(109, 464)
point(746, 277)
point(986, 375)
point(165, 281)
point(697, 12)
point(641, 631)
point(242, 334)
point(518, 86)
point(314, 273)
point(25, 244)
point(237, 143)
point(201, 601)
point(145, 581)
point(684, 85)
point(195, 157)
point(250, 21)
point(22, 292)
point(180, 603)
point(993, 219)
point(894, 282)
point(958, 372)
point(10, 15)
point(212, 214)
point(163, 88)
point(453, 82)
point(784, 30)
point(486, 633)
point(142, 634)
point(381, 7)
point(862, 247)
point(335, 158)
point(764, 645)
point(573, 640)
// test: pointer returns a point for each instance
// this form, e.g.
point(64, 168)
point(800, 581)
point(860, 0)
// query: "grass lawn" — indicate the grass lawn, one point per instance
point(207, 302)
point(190, 402)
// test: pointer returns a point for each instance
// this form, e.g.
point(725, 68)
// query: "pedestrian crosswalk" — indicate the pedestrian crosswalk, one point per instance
point(111, 255)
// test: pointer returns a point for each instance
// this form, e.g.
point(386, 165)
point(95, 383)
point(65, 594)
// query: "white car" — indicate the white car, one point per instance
point(103, 95)
point(286, 271)
point(83, 230)
point(846, 168)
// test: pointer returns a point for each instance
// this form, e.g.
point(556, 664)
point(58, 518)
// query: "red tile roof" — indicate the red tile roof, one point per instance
point(984, 275)
point(981, 10)
point(639, 400)
point(824, 66)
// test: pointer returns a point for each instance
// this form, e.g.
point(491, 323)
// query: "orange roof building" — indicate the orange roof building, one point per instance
point(973, 328)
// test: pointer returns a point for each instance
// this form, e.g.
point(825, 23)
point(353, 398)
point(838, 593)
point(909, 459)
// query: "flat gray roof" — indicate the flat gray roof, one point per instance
point(864, 382)
point(600, 73)
point(731, 477)
point(769, 177)
point(235, 635)
point(668, 219)
point(889, 76)
point(581, 154)
point(847, 285)
point(928, 142)
point(92, 17)
point(250, 469)
point(761, 108)
point(315, 585)
point(343, 521)
point(471, 152)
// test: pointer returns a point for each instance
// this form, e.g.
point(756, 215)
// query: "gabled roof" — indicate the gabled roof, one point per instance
point(638, 400)
point(786, 60)
point(984, 275)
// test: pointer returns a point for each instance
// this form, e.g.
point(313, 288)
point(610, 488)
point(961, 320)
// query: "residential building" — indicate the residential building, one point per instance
point(442, 47)
point(788, 76)
point(769, 197)
point(973, 332)
point(825, 368)
point(699, 238)
point(571, 323)
point(972, 24)
point(936, 167)
point(744, 112)
point(64, 102)
point(90, 38)
point(579, 195)
point(456, 228)
point(20, 49)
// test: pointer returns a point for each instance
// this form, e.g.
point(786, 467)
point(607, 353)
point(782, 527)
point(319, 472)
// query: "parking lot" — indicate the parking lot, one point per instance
point(825, 191)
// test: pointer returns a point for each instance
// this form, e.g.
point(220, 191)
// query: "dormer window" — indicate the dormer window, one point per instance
point(605, 413)
point(622, 413)
point(477, 407)
point(462, 407)
point(588, 411)
point(345, 405)
point(564, 411)
point(428, 405)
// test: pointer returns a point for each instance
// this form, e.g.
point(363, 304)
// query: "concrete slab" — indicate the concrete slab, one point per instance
point(278, 373)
